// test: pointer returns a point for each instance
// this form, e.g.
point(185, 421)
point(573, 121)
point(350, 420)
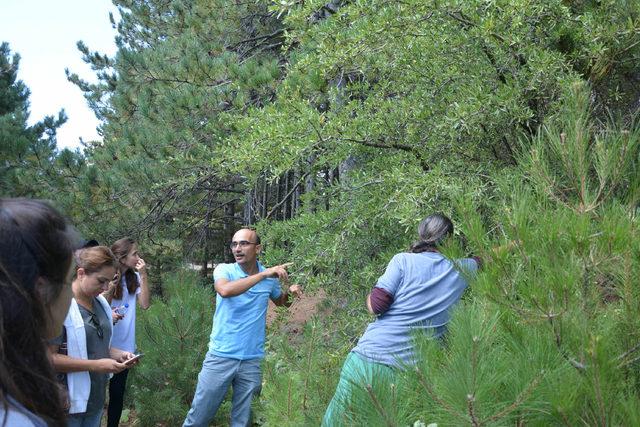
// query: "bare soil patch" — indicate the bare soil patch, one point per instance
point(298, 314)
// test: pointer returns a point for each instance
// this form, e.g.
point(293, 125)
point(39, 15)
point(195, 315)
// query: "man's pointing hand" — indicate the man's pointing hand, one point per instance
point(279, 271)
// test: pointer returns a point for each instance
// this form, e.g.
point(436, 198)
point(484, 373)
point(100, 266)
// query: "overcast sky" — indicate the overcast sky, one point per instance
point(45, 33)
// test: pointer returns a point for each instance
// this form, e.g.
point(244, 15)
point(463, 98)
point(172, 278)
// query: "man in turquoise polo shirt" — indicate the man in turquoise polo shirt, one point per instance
point(236, 347)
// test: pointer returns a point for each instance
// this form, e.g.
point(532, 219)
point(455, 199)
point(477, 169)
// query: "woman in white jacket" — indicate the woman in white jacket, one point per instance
point(83, 352)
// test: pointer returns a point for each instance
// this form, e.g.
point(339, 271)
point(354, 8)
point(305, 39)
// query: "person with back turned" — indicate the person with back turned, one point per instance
point(416, 293)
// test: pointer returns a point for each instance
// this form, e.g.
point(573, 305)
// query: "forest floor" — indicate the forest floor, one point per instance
point(128, 418)
point(292, 320)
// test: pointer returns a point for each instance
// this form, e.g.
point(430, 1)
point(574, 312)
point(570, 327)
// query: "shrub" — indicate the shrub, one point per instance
point(173, 334)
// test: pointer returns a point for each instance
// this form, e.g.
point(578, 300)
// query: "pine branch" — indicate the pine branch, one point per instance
point(558, 340)
point(253, 39)
point(599, 398)
point(471, 410)
point(432, 394)
point(474, 368)
point(289, 400)
point(628, 352)
point(628, 362)
point(474, 361)
point(519, 400)
point(309, 358)
point(378, 406)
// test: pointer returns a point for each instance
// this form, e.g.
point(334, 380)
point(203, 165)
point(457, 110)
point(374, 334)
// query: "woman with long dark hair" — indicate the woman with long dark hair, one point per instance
point(36, 245)
point(416, 293)
point(132, 289)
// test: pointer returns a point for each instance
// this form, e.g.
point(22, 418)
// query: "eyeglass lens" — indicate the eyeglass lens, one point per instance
point(241, 243)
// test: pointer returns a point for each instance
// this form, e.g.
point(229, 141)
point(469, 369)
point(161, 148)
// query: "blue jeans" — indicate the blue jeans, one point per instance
point(217, 374)
point(85, 419)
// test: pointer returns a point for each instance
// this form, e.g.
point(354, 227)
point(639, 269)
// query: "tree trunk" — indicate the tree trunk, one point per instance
point(310, 183)
point(265, 188)
point(285, 205)
point(228, 229)
point(249, 207)
point(207, 240)
point(295, 198)
point(279, 194)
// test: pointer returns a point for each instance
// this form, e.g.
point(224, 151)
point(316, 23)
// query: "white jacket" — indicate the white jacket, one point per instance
point(79, 383)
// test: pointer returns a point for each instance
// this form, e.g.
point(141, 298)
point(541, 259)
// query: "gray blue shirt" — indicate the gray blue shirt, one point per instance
point(239, 322)
point(424, 286)
point(17, 415)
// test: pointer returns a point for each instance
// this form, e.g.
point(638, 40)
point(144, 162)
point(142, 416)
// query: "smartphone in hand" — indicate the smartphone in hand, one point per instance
point(133, 359)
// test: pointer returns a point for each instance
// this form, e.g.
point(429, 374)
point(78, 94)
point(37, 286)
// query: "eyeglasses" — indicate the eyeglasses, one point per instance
point(96, 324)
point(241, 243)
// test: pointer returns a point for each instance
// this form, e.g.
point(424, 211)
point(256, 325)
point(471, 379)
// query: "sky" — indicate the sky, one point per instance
point(45, 33)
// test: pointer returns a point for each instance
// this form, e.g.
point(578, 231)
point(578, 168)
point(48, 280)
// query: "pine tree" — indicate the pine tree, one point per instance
point(183, 71)
point(28, 153)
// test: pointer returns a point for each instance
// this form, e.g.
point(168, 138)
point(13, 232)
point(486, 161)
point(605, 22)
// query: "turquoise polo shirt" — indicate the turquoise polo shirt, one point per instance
point(239, 322)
